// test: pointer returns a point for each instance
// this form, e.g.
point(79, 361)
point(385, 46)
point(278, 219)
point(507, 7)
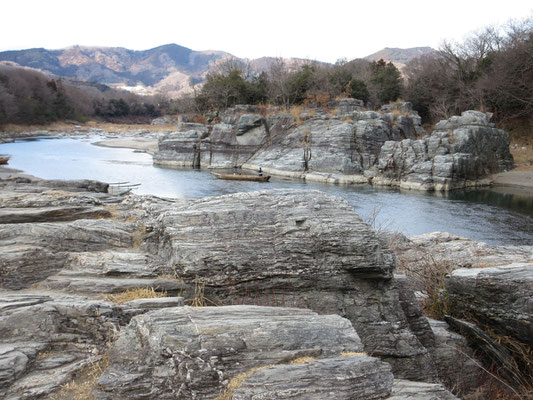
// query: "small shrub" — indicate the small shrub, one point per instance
point(198, 118)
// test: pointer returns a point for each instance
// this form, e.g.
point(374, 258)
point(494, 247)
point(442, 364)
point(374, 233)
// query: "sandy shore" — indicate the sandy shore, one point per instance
point(521, 179)
point(148, 145)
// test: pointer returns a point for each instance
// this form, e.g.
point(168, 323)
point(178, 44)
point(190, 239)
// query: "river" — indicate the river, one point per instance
point(494, 216)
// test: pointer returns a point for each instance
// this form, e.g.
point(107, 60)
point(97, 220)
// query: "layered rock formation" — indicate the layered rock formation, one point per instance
point(312, 252)
point(459, 153)
point(350, 145)
point(282, 248)
point(499, 297)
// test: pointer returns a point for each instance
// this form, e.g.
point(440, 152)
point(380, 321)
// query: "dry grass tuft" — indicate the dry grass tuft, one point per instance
point(134, 294)
point(199, 299)
point(301, 360)
point(82, 386)
point(138, 235)
point(112, 210)
point(45, 354)
point(398, 113)
point(353, 354)
point(237, 382)
point(198, 118)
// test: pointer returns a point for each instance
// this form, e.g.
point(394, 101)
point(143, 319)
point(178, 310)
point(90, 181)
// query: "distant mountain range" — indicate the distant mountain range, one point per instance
point(167, 69)
point(399, 57)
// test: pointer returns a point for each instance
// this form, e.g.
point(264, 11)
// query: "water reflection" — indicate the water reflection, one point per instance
point(491, 215)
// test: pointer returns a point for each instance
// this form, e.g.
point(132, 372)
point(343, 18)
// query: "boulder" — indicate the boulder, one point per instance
point(187, 352)
point(247, 122)
point(30, 252)
point(499, 297)
point(313, 251)
point(346, 107)
point(455, 360)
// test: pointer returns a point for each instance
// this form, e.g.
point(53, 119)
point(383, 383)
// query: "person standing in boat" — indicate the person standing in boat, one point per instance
point(260, 171)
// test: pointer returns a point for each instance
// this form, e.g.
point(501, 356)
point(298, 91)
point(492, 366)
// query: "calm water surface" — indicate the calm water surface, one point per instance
point(488, 215)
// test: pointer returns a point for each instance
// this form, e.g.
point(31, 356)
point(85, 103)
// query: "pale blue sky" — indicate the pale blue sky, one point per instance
point(325, 30)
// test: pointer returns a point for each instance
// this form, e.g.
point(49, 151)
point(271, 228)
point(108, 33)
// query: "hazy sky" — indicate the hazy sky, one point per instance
point(325, 30)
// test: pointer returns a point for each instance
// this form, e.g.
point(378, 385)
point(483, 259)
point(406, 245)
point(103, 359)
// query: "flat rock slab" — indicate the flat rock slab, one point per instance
point(30, 252)
point(123, 263)
point(409, 390)
point(342, 378)
point(258, 235)
point(499, 297)
point(89, 285)
point(186, 352)
point(154, 304)
point(50, 214)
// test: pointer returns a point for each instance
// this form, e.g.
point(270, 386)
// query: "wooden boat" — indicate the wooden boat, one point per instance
point(4, 158)
point(241, 177)
point(121, 188)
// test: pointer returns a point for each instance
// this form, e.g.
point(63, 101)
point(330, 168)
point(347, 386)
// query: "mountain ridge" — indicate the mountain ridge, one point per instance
point(170, 68)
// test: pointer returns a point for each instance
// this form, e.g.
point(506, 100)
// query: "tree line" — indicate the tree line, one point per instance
point(491, 70)
point(234, 82)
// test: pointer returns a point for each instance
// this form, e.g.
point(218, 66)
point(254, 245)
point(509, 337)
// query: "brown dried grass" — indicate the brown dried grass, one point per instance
point(353, 354)
point(134, 294)
point(82, 386)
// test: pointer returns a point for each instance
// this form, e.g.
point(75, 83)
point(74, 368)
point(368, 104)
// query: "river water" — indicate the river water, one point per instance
point(490, 215)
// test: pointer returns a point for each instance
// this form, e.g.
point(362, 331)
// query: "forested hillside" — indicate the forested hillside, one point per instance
point(31, 97)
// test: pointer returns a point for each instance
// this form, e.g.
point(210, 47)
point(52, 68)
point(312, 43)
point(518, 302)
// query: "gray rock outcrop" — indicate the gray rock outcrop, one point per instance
point(499, 297)
point(389, 147)
point(459, 153)
point(185, 353)
point(312, 252)
point(284, 248)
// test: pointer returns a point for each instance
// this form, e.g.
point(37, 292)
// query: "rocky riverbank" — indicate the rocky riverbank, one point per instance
point(346, 144)
point(68, 248)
